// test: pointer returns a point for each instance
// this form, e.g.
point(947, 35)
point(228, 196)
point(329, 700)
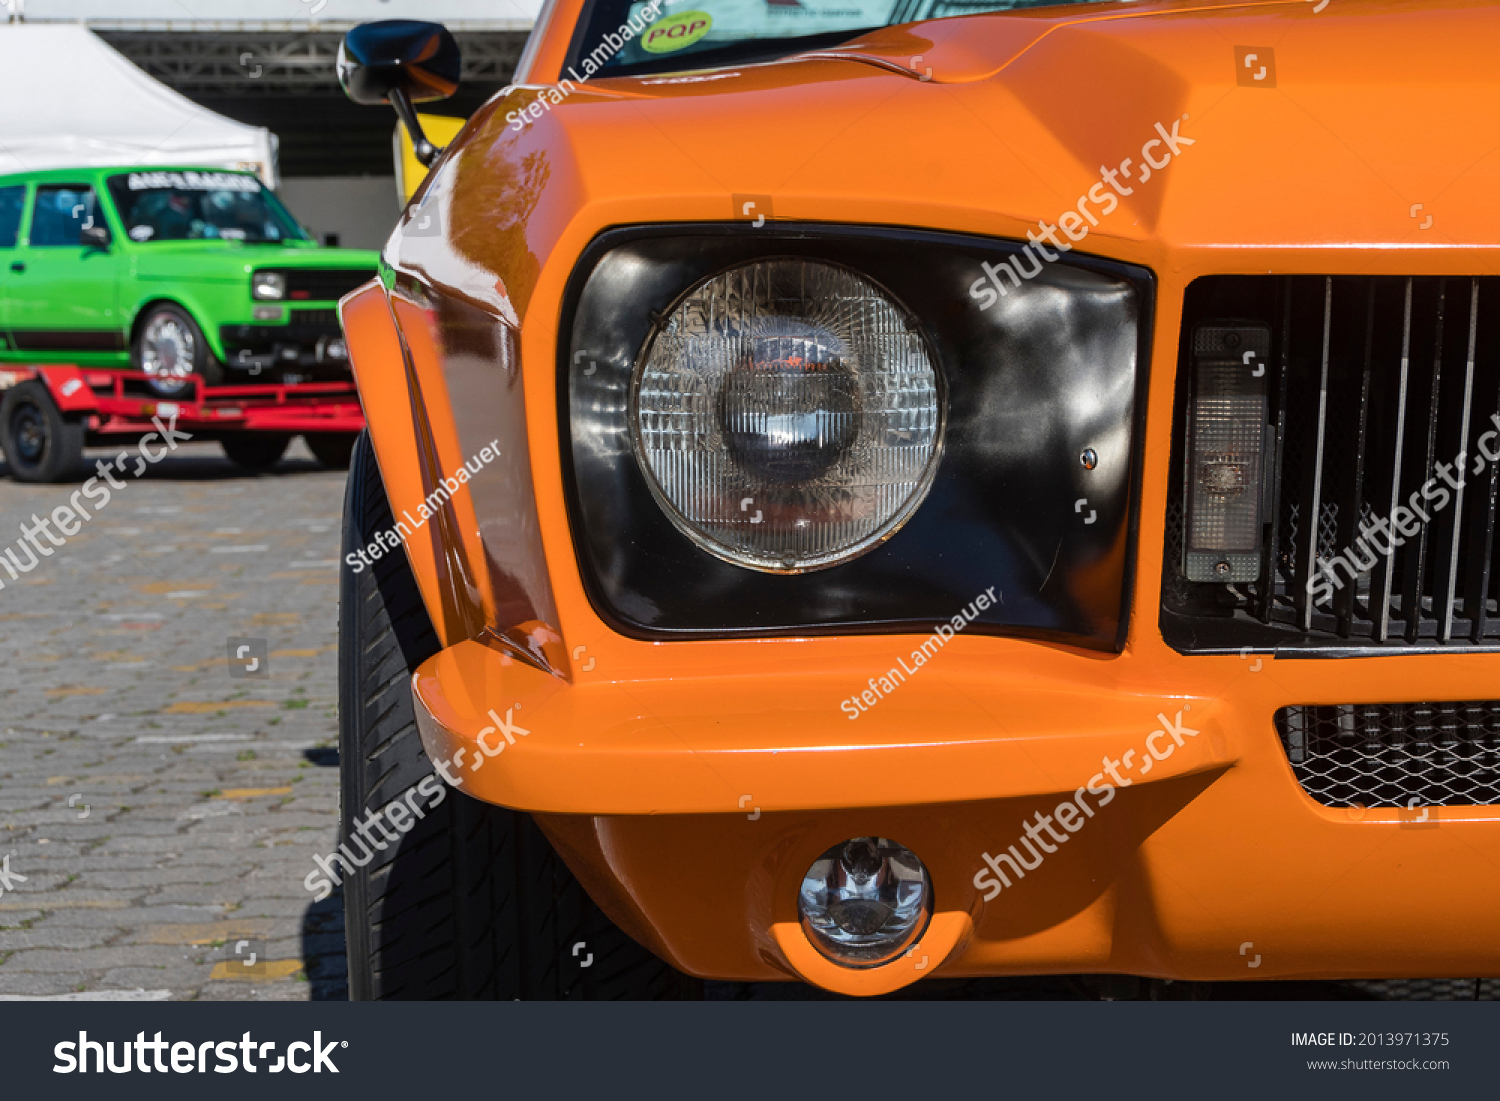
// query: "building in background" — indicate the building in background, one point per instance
point(271, 63)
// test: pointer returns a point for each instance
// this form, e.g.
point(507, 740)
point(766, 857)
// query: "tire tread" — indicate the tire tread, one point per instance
point(473, 902)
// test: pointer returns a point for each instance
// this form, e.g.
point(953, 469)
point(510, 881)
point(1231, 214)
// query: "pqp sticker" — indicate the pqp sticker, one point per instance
point(677, 32)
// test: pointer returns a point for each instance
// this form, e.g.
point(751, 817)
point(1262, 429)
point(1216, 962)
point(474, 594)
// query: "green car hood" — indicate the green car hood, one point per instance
point(231, 262)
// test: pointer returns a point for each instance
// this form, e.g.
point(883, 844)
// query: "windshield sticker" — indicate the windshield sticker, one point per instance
point(745, 20)
point(677, 32)
point(193, 181)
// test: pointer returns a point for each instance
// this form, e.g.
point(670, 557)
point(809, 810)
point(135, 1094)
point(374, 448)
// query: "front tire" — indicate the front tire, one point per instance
point(171, 348)
point(40, 444)
point(472, 902)
point(257, 452)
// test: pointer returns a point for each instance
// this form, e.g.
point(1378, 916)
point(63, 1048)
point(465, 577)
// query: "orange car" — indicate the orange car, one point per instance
point(824, 462)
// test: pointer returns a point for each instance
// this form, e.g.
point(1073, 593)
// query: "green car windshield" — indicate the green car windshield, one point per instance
point(688, 34)
point(201, 206)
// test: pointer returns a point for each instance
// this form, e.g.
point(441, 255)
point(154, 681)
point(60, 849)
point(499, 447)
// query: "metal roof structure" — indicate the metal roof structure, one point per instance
point(275, 16)
point(271, 63)
point(268, 62)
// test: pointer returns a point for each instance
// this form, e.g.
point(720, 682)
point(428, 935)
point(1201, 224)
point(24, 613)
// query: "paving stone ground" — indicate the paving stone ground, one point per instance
point(162, 810)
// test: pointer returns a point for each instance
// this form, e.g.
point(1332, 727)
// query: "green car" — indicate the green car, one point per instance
point(172, 271)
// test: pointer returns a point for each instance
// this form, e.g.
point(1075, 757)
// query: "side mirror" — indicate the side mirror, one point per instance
point(401, 62)
point(94, 237)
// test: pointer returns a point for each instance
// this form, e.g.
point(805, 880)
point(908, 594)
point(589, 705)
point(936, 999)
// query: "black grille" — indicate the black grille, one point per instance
point(1396, 755)
point(1377, 385)
point(322, 284)
point(322, 318)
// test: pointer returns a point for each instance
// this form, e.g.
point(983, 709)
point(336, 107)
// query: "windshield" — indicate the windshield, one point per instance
point(667, 35)
point(201, 206)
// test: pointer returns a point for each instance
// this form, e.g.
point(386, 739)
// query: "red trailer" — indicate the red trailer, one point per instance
point(49, 414)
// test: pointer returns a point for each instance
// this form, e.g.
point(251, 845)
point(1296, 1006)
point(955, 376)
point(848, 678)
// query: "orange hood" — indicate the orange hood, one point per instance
point(1364, 124)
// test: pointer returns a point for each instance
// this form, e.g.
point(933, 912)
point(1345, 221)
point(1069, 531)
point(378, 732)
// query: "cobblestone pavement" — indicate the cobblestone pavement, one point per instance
point(162, 809)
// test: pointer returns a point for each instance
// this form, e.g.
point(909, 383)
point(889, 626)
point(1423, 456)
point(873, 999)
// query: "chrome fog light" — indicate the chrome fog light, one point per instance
point(866, 901)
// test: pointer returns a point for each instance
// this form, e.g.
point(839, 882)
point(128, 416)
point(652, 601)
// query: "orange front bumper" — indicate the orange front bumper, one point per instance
point(690, 808)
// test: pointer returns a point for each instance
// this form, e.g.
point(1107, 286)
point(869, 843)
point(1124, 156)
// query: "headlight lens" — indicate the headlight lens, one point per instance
point(268, 286)
point(787, 415)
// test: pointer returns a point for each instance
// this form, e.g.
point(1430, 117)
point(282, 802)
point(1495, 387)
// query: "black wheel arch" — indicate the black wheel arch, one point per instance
point(144, 311)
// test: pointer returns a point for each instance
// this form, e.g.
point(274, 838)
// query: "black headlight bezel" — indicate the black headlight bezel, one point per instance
point(648, 580)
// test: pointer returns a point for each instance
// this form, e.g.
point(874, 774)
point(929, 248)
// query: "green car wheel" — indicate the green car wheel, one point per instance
point(171, 349)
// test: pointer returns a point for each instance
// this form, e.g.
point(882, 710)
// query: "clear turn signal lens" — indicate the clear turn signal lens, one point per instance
point(1227, 436)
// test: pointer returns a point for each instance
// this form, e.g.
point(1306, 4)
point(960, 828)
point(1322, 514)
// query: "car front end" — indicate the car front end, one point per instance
point(936, 449)
point(224, 248)
point(292, 331)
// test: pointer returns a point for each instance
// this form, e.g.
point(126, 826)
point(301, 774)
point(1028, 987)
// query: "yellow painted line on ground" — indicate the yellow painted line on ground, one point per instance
point(47, 901)
point(118, 778)
point(267, 618)
point(206, 932)
point(208, 664)
point(252, 793)
point(302, 653)
point(266, 971)
point(185, 707)
point(58, 693)
point(53, 781)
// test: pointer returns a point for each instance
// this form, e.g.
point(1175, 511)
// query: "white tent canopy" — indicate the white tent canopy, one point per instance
point(67, 100)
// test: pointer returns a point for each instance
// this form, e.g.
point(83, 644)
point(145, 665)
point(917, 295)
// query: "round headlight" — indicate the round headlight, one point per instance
point(787, 415)
point(866, 901)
